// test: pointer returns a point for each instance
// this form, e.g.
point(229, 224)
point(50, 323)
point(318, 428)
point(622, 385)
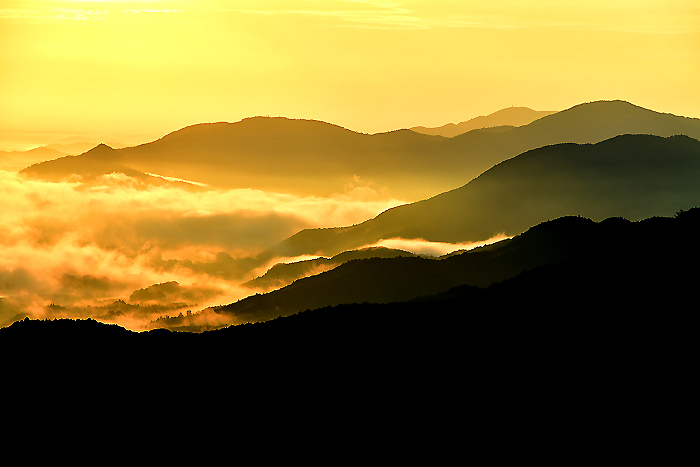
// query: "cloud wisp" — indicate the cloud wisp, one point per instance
point(419, 246)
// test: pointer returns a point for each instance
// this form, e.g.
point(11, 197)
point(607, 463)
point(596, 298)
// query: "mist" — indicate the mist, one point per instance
point(420, 246)
point(129, 252)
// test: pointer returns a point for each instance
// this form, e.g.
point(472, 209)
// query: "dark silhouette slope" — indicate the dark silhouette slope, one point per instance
point(634, 176)
point(567, 240)
point(312, 157)
point(603, 282)
point(604, 337)
point(510, 116)
point(282, 274)
point(557, 345)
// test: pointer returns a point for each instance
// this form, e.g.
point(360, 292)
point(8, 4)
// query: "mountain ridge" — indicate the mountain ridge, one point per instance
point(612, 241)
point(525, 190)
point(309, 157)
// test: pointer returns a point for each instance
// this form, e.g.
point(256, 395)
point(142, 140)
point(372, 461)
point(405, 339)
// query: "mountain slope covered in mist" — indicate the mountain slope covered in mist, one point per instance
point(316, 158)
point(634, 176)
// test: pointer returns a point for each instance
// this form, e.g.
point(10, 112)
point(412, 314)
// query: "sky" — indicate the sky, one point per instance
point(133, 71)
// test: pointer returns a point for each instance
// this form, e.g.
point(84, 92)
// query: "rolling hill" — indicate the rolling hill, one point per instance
point(316, 158)
point(634, 176)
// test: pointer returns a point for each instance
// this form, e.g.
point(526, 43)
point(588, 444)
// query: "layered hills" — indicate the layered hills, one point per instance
point(283, 274)
point(13, 161)
point(572, 302)
point(570, 273)
point(316, 158)
point(615, 259)
point(634, 176)
point(607, 310)
point(508, 117)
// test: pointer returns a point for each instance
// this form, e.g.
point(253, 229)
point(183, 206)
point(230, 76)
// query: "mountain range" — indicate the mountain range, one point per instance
point(597, 160)
point(603, 332)
point(634, 176)
point(614, 260)
point(315, 158)
point(570, 271)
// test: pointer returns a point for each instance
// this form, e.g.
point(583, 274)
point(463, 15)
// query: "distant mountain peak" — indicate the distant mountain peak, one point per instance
point(101, 150)
point(509, 116)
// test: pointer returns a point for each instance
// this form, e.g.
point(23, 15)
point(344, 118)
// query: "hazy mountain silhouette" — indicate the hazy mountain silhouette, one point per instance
point(283, 274)
point(18, 160)
point(510, 117)
point(13, 161)
point(634, 176)
point(80, 147)
point(98, 161)
point(317, 158)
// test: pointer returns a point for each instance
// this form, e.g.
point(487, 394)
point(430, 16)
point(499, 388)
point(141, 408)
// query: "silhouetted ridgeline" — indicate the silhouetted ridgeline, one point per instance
point(317, 158)
point(282, 274)
point(597, 248)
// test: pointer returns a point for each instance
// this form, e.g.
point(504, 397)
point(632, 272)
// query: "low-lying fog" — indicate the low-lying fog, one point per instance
point(126, 252)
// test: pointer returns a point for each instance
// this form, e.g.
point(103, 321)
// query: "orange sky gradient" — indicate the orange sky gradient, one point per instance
point(134, 71)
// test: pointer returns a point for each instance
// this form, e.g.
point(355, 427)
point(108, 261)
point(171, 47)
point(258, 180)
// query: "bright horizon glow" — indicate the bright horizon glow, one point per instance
point(138, 70)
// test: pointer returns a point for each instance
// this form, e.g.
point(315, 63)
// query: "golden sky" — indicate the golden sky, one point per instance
point(137, 70)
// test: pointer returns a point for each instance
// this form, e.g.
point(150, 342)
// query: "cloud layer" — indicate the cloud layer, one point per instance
point(80, 245)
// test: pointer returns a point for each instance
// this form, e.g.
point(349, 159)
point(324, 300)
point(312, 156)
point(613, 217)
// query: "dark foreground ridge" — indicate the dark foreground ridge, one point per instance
point(614, 259)
point(568, 358)
point(632, 295)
